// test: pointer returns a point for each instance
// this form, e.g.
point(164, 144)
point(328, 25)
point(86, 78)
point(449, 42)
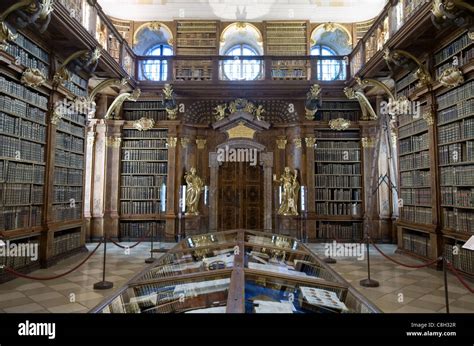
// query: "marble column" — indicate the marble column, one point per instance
point(213, 192)
point(266, 160)
point(98, 182)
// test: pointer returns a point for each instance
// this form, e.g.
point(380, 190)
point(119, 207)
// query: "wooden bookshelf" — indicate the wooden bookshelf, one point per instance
point(287, 39)
point(332, 110)
point(339, 196)
point(152, 109)
point(196, 38)
point(144, 172)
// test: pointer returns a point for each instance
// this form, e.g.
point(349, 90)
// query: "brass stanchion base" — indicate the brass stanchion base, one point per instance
point(103, 285)
point(369, 283)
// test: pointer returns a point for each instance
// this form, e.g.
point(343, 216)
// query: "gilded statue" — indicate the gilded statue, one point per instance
point(259, 111)
point(195, 186)
point(290, 191)
point(219, 112)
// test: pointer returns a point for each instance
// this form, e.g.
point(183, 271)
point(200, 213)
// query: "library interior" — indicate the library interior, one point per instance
point(236, 156)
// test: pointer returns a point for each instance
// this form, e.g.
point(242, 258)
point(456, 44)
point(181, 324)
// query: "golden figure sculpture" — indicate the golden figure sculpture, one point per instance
point(289, 198)
point(195, 185)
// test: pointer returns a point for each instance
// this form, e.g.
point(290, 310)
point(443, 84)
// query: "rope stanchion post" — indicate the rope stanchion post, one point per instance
point(104, 285)
point(151, 259)
point(369, 282)
point(445, 274)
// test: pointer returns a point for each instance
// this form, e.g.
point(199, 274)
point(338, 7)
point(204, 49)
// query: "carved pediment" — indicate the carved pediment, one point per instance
point(241, 125)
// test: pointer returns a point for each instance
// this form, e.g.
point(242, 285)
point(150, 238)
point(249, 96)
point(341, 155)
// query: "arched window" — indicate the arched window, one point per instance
point(157, 69)
point(242, 69)
point(328, 69)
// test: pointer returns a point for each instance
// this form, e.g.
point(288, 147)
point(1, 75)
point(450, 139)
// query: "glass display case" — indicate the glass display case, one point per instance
point(238, 272)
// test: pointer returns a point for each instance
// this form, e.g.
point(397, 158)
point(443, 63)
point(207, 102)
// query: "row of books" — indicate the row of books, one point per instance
point(22, 110)
point(415, 161)
point(464, 58)
point(20, 217)
point(140, 193)
point(417, 244)
point(65, 212)
point(68, 142)
point(338, 194)
point(145, 155)
point(19, 194)
point(337, 134)
point(197, 73)
point(339, 181)
point(25, 43)
point(416, 214)
point(458, 220)
point(17, 90)
point(452, 196)
point(75, 89)
point(144, 105)
point(456, 131)
point(14, 172)
point(415, 178)
point(72, 116)
point(131, 181)
point(331, 115)
point(156, 134)
point(462, 259)
point(336, 168)
point(455, 96)
point(461, 175)
point(198, 41)
point(453, 48)
point(337, 155)
point(157, 115)
point(67, 194)
point(338, 145)
point(340, 230)
point(18, 261)
point(140, 208)
point(68, 159)
point(21, 150)
point(414, 127)
point(145, 143)
point(142, 229)
point(406, 81)
point(289, 73)
point(26, 59)
point(416, 196)
point(144, 168)
point(415, 143)
point(65, 243)
point(67, 176)
point(454, 153)
point(339, 209)
point(71, 128)
point(338, 105)
point(458, 111)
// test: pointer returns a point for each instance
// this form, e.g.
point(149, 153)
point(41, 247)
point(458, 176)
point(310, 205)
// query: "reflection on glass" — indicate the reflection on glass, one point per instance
point(238, 69)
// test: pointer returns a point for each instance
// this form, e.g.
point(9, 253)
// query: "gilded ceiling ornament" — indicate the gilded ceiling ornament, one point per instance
point(155, 26)
point(241, 105)
point(451, 77)
point(330, 27)
point(281, 143)
point(33, 77)
point(201, 144)
point(339, 124)
point(172, 142)
point(144, 124)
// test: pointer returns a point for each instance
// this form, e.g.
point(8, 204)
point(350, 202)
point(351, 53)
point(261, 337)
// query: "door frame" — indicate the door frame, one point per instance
point(265, 159)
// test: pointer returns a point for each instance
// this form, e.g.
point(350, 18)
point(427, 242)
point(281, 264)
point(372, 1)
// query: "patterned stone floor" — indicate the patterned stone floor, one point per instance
point(73, 293)
point(401, 289)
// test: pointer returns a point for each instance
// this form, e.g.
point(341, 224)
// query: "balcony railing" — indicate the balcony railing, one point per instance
point(241, 68)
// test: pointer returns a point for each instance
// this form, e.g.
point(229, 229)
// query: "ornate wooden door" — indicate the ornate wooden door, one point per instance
point(240, 196)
